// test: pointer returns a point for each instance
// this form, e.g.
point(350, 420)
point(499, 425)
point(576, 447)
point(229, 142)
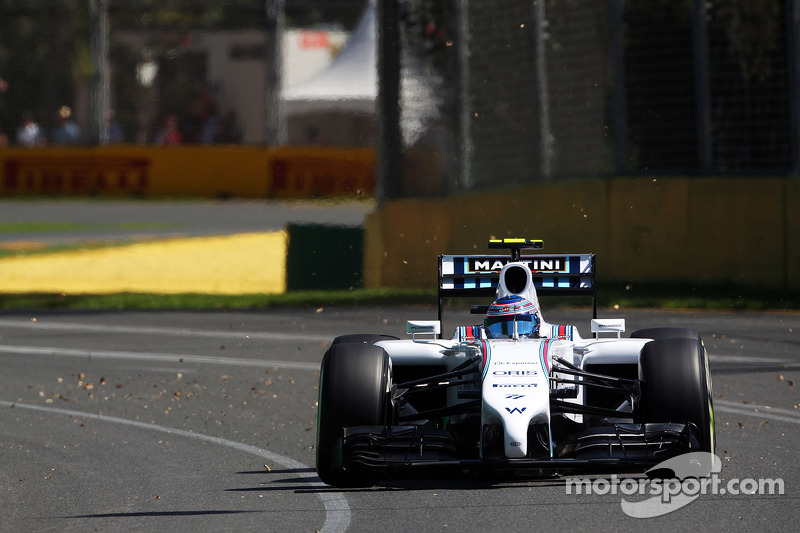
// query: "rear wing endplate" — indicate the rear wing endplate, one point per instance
point(552, 274)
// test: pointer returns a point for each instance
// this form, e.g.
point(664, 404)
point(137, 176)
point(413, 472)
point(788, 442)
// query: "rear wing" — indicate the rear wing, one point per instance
point(553, 275)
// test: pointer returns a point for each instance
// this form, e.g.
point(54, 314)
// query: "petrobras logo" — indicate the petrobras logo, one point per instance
point(493, 265)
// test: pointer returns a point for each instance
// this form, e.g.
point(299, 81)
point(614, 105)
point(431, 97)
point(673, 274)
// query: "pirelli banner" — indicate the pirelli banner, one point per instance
point(213, 171)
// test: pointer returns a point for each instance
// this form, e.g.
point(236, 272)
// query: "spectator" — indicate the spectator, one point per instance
point(30, 133)
point(200, 119)
point(211, 127)
point(230, 131)
point(67, 133)
point(114, 132)
point(3, 90)
point(313, 137)
point(169, 134)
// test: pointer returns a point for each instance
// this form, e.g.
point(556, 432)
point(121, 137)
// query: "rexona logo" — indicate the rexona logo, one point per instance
point(676, 483)
point(485, 265)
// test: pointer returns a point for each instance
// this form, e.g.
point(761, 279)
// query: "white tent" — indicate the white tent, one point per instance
point(338, 105)
point(349, 84)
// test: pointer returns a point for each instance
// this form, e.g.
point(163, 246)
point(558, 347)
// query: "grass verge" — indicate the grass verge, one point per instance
point(712, 297)
point(38, 227)
point(718, 298)
point(216, 301)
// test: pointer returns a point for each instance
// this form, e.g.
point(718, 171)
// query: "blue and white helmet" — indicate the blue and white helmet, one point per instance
point(512, 317)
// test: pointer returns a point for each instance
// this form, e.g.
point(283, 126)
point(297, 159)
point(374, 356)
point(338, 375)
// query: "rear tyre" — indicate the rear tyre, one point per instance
point(354, 385)
point(665, 333)
point(676, 386)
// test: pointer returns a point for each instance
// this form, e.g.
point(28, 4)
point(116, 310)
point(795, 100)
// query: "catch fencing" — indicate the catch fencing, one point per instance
point(548, 90)
point(472, 93)
point(156, 72)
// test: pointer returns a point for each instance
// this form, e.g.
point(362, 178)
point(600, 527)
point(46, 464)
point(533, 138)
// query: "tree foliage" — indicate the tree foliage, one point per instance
point(45, 51)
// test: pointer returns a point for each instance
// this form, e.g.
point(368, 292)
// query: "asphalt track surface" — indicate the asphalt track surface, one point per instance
point(205, 421)
point(82, 220)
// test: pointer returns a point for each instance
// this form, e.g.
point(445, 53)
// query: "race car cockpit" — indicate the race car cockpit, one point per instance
point(512, 317)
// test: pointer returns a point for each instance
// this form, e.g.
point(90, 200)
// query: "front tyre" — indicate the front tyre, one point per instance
point(362, 338)
point(354, 387)
point(666, 333)
point(676, 386)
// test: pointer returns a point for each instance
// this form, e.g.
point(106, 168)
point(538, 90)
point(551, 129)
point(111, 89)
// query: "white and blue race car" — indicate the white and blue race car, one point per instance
point(514, 395)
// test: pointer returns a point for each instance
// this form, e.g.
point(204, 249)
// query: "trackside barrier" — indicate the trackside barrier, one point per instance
point(692, 231)
point(322, 257)
point(197, 171)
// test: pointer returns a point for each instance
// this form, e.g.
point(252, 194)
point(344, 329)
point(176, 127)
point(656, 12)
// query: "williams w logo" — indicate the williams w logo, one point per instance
point(516, 410)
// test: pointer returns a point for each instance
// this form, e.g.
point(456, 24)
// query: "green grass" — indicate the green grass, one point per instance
point(33, 229)
point(52, 227)
point(214, 301)
point(625, 297)
point(57, 248)
point(717, 297)
point(40, 227)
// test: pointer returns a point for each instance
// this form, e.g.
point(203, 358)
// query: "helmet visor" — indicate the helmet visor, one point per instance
point(502, 327)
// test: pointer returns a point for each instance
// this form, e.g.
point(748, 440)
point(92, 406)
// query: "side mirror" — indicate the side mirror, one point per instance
point(608, 325)
point(430, 327)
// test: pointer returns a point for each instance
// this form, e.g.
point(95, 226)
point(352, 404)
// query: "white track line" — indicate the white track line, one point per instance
point(337, 511)
point(758, 411)
point(178, 332)
point(161, 357)
point(749, 360)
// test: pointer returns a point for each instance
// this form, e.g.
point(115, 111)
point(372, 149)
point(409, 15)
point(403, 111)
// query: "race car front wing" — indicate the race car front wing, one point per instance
point(621, 447)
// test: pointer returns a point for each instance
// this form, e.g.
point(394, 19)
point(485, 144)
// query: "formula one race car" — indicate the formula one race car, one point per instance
point(514, 395)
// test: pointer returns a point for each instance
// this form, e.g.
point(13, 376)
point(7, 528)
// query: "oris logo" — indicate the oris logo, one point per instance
point(515, 373)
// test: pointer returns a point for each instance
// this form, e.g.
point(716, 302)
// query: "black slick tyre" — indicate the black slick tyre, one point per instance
point(676, 386)
point(353, 391)
point(665, 333)
point(362, 338)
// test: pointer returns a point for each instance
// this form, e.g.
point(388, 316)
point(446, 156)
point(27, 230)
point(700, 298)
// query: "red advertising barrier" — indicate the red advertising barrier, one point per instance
point(226, 171)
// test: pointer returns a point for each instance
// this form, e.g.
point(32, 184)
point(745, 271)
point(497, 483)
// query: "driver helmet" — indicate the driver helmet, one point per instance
point(512, 317)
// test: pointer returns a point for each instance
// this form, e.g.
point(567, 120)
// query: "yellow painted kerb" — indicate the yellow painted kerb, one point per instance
point(233, 264)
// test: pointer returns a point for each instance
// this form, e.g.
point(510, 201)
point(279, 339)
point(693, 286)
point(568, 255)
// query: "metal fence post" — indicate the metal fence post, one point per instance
point(620, 96)
point(99, 102)
point(702, 86)
point(792, 41)
point(390, 146)
point(275, 134)
point(464, 107)
point(546, 140)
